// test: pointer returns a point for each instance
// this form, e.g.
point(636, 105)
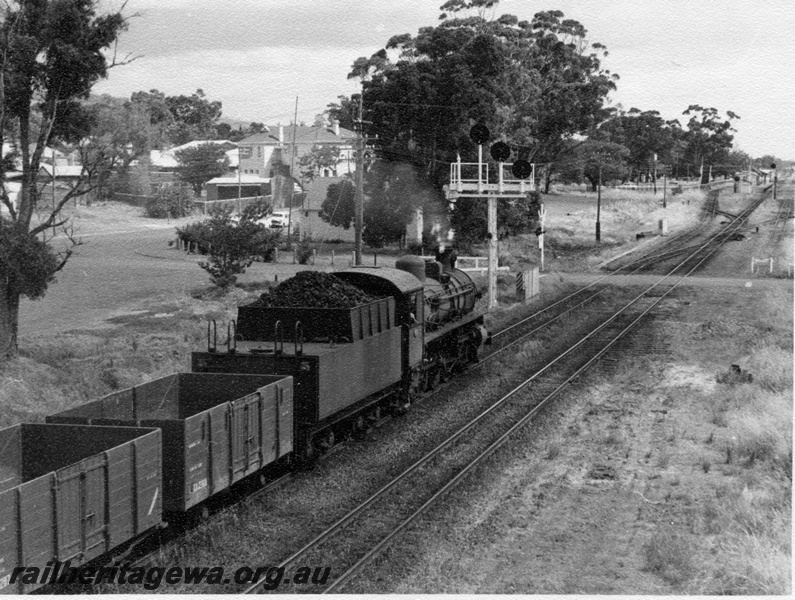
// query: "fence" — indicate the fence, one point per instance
point(472, 264)
point(237, 203)
point(672, 185)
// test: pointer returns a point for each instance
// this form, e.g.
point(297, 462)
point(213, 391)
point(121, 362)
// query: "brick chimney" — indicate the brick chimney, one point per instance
point(335, 124)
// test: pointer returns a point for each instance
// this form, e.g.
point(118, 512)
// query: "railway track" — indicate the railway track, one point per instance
point(356, 539)
point(687, 242)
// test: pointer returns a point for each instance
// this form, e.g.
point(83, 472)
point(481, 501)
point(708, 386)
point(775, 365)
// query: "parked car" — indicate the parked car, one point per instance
point(275, 221)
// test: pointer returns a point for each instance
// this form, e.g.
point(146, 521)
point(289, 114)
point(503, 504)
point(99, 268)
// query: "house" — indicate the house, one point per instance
point(60, 158)
point(270, 152)
point(310, 223)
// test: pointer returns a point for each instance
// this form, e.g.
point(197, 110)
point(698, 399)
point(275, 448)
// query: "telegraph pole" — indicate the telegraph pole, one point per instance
point(292, 181)
point(599, 205)
point(358, 198)
point(654, 174)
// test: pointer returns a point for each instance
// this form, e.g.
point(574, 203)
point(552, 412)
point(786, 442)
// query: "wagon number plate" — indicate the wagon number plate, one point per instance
point(199, 485)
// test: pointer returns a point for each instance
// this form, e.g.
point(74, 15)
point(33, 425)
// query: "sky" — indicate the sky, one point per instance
point(258, 56)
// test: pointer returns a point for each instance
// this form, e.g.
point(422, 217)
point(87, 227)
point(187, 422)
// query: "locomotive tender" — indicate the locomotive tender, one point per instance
point(289, 383)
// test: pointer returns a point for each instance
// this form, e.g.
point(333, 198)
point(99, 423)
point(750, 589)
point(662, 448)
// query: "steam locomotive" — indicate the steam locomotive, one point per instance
point(289, 383)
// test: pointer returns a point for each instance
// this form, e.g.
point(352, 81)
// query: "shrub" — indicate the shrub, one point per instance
point(231, 246)
point(170, 201)
point(303, 252)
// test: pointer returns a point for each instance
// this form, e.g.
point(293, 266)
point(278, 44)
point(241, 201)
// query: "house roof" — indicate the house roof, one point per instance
point(196, 143)
point(245, 178)
point(316, 191)
point(63, 170)
point(303, 135)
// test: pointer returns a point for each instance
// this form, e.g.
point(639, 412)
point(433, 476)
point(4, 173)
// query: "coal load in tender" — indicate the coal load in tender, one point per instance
point(312, 289)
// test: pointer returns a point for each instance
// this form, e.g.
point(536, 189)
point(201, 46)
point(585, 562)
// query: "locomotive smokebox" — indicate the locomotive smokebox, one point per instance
point(447, 256)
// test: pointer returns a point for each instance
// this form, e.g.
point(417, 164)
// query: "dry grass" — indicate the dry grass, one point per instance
point(623, 215)
point(751, 522)
point(55, 372)
point(104, 217)
point(670, 554)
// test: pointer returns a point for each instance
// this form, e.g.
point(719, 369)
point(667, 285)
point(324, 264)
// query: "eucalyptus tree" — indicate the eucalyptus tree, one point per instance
point(708, 137)
point(51, 53)
point(535, 83)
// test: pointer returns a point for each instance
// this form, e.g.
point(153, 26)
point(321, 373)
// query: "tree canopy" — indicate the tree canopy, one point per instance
point(199, 164)
point(534, 84)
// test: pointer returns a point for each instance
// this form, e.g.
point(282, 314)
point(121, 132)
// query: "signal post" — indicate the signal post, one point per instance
point(462, 186)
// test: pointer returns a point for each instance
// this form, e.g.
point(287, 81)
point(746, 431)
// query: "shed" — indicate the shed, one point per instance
point(244, 186)
point(311, 224)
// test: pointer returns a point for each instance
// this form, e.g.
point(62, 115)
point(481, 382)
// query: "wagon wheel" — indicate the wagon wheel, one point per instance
point(359, 428)
point(324, 441)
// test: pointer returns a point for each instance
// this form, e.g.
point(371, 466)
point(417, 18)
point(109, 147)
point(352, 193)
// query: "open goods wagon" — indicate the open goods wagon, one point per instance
point(217, 428)
point(74, 492)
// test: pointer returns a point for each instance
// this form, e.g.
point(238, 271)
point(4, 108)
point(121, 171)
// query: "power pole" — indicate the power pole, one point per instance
point(654, 174)
point(292, 181)
point(358, 198)
point(599, 206)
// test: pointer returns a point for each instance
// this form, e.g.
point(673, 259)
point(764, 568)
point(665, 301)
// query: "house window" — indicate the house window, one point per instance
point(306, 213)
point(259, 151)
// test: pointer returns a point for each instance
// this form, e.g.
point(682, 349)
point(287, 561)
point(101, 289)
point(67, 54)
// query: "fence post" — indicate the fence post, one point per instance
point(314, 256)
point(375, 259)
point(332, 258)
